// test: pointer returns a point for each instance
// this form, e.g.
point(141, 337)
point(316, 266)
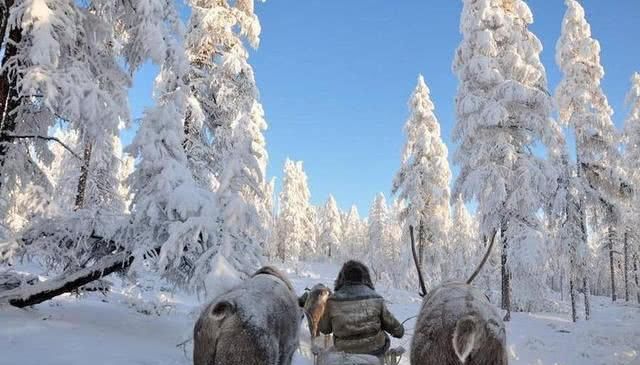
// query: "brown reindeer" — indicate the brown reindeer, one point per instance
point(256, 323)
point(457, 324)
point(314, 302)
point(314, 306)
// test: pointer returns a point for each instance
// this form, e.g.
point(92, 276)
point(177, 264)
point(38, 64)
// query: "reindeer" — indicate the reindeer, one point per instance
point(256, 323)
point(457, 324)
point(314, 306)
point(314, 302)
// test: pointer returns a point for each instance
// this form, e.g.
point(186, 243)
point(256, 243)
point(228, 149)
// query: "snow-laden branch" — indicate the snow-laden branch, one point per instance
point(45, 138)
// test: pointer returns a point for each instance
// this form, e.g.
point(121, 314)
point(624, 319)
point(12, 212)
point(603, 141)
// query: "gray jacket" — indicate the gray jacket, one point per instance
point(358, 319)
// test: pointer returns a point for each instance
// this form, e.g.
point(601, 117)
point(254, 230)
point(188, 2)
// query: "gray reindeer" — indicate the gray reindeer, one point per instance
point(457, 324)
point(256, 323)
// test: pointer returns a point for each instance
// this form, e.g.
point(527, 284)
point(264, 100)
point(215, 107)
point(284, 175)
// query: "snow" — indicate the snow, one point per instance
point(116, 329)
point(222, 277)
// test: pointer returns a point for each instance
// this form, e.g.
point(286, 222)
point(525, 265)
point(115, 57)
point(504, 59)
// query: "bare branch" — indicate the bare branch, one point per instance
point(45, 138)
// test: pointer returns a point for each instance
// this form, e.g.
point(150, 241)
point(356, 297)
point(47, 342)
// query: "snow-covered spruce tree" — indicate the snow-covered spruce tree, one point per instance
point(39, 33)
point(631, 165)
point(329, 243)
point(169, 212)
point(352, 235)
point(72, 77)
point(271, 216)
point(502, 110)
point(175, 233)
point(395, 229)
point(583, 107)
point(172, 218)
point(141, 28)
point(39, 199)
point(316, 212)
point(295, 226)
point(242, 196)
point(377, 236)
point(568, 230)
point(463, 251)
point(224, 106)
point(220, 78)
point(172, 213)
point(423, 179)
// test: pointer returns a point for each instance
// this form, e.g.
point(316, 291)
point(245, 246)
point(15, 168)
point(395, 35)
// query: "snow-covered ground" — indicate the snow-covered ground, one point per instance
point(131, 327)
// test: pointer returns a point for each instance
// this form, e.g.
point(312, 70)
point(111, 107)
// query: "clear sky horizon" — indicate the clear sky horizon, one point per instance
point(335, 78)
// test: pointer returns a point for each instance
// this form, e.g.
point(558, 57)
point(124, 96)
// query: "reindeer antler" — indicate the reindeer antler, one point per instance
point(423, 287)
point(484, 259)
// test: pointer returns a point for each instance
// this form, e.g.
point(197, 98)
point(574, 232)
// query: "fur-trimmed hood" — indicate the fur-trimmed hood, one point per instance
point(353, 273)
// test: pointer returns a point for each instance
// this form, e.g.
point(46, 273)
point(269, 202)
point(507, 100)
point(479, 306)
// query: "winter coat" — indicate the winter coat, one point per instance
point(358, 319)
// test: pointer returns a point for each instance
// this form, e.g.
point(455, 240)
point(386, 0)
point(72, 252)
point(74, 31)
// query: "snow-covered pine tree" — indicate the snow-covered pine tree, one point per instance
point(502, 110)
point(295, 226)
point(423, 179)
point(583, 107)
point(329, 243)
point(631, 163)
point(377, 236)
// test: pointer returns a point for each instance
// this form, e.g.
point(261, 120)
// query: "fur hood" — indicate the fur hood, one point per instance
point(353, 273)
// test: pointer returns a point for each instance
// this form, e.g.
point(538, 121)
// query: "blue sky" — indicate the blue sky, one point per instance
point(335, 77)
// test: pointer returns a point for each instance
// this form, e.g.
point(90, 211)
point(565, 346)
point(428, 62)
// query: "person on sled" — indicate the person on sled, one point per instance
point(357, 316)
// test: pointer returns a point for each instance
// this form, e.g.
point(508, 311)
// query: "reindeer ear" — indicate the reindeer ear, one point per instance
point(221, 309)
point(464, 338)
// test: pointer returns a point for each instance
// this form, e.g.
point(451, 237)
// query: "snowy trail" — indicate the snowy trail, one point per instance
point(108, 330)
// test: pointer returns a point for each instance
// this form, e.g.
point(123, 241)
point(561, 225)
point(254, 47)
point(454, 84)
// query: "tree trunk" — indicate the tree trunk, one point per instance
point(626, 265)
point(8, 90)
point(43, 291)
point(572, 293)
point(562, 285)
point(280, 253)
point(587, 305)
point(504, 268)
point(421, 245)
point(186, 144)
point(5, 7)
point(635, 269)
point(84, 176)
point(611, 267)
point(585, 238)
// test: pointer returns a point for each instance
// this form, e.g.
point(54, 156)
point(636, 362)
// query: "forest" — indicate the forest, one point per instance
point(543, 172)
